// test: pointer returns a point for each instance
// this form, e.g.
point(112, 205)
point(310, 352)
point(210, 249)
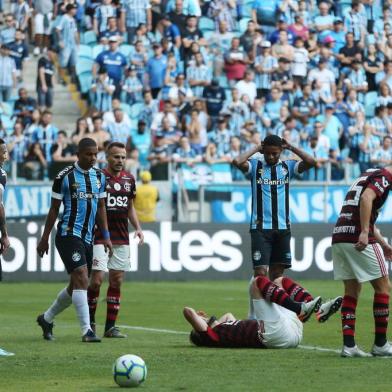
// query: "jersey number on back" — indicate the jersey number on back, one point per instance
point(357, 189)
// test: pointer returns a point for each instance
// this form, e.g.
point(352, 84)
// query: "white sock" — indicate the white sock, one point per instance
point(61, 303)
point(251, 311)
point(79, 299)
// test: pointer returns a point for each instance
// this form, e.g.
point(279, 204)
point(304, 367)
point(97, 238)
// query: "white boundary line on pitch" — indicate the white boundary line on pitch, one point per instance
point(170, 331)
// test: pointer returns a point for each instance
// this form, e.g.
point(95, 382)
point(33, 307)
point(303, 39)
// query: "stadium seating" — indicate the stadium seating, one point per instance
point(84, 65)
point(206, 24)
point(136, 109)
point(6, 108)
point(85, 51)
point(85, 81)
point(96, 50)
point(243, 24)
point(89, 38)
point(126, 108)
point(126, 50)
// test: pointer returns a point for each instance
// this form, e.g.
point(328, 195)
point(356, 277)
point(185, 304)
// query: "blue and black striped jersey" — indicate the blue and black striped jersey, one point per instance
point(270, 193)
point(80, 191)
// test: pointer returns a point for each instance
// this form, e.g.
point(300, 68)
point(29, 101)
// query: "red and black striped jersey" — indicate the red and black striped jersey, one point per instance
point(348, 225)
point(238, 333)
point(120, 190)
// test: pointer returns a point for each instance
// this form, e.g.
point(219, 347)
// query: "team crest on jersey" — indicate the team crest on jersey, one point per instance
point(98, 183)
point(261, 172)
point(108, 186)
point(117, 186)
point(284, 171)
point(75, 185)
point(76, 256)
point(127, 187)
point(257, 255)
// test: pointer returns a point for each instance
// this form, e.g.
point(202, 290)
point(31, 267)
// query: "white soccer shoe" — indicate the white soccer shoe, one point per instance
point(307, 308)
point(329, 308)
point(354, 352)
point(384, 351)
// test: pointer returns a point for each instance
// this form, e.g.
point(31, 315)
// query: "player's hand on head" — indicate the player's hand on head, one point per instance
point(285, 144)
point(363, 241)
point(4, 244)
point(139, 234)
point(43, 247)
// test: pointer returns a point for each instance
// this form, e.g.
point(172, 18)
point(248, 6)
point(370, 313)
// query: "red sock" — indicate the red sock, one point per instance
point(113, 306)
point(273, 293)
point(295, 291)
point(381, 314)
point(347, 311)
point(92, 298)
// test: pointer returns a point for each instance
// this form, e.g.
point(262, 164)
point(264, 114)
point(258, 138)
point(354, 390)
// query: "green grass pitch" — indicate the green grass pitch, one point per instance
point(173, 364)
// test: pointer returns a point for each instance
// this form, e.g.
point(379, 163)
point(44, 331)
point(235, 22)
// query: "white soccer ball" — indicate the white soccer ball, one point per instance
point(129, 371)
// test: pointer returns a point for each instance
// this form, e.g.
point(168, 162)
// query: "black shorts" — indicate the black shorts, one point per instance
point(74, 252)
point(271, 247)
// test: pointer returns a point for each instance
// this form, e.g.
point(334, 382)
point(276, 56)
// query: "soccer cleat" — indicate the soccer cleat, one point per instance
point(353, 352)
point(90, 337)
point(47, 328)
point(307, 308)
point(114, 332)
point(328, 308)
point(384, 351)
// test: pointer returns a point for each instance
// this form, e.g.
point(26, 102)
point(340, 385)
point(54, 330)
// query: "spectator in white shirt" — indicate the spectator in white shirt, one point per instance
point(247, 86)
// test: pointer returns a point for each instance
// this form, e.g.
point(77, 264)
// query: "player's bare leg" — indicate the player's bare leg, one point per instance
point(96, 280)
point(261, 270)
point(382, 288)
point(276, 271)
point(116, 278)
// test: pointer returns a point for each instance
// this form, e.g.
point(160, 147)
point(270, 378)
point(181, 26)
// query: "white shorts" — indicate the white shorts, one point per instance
point(282, 328)
point(120, 260)
point(349, 263)
point(39, 24)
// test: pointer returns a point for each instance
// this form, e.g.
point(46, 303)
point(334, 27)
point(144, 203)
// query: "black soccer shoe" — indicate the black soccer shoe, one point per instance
point(47, 328)
point(90, 337)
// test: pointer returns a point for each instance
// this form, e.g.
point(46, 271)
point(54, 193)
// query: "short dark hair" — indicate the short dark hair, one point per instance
point(196, 338)
point(115, 144)
point(97, 117)
point(273, 140)
point(85, 143)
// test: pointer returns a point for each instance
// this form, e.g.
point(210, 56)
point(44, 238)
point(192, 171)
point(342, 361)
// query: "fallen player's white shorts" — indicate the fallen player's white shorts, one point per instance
point(119, 261)
point(349, 263)
point(282, 328)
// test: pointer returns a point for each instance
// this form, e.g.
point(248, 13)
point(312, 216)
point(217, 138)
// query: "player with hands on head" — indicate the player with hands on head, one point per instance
point(120, 190)
point(270, 215)
point(359, 252)
point(80, 187)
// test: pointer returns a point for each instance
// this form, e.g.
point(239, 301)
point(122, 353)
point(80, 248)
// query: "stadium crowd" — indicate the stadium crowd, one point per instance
point(200, 81)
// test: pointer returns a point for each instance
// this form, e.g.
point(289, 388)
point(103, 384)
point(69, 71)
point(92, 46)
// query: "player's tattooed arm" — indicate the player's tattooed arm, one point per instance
point(241, 162)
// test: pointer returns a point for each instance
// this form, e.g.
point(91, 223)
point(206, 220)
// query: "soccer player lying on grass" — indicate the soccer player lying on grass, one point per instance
point(278, 322)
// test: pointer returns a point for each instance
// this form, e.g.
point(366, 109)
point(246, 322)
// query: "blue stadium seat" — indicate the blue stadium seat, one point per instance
point(97, 49)
point(247, 10)
point(207, 34)
point(136, 109)
point(370, 103)
point(223, 82)
point(8, 123)
point(85, 81)
point(6, 108)
point(126, 50)
point(89, 38)
point(84, 65)
point(85, 51)
point(206, 24)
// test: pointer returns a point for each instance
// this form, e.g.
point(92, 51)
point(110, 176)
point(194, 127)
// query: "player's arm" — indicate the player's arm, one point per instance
point(307, 161)
point(198, 323)
point(4, 241)
point(387, 249)
point(102, 222)
point(241, 162)
point(132, 217)
point(365, 210)
point(43, 246)
point(226, 318)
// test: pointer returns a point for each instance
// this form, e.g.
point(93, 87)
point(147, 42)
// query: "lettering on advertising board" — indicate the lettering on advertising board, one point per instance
point(179, 252)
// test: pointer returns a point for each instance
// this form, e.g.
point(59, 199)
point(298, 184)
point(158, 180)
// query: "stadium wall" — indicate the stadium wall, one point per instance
point(179, 252)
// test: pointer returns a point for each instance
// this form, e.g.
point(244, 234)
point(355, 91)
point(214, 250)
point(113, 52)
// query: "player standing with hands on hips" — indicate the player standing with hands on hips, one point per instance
point(121, 190)
point(358, 253)
point(270, 216)
point(81, 189)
